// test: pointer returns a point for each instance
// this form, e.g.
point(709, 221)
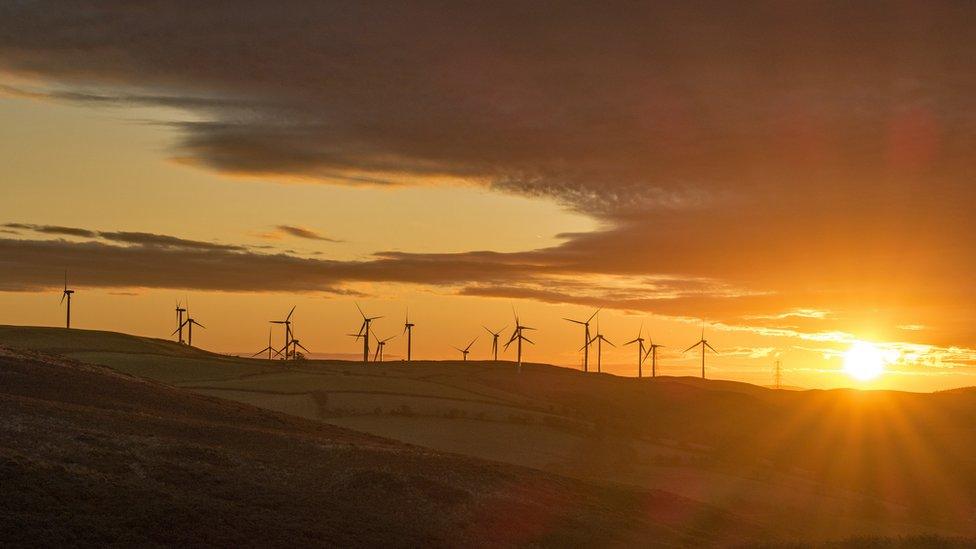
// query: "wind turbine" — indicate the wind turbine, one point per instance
point(652, 351)
point(189, 322)
point(704, 344)
point(269, 348)
point(494, 341)
point(519, 338)
point(408, 329)
point(599, 339)
point(179, 319)
point(380, 344)
point(586, 338)
point(287, 323)
point(295, 345)
point(466, 350)
point(641, 356)
point(364, 332)
point(67, 294)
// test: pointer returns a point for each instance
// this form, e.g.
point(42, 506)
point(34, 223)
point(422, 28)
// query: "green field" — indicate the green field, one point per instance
point(804, 464)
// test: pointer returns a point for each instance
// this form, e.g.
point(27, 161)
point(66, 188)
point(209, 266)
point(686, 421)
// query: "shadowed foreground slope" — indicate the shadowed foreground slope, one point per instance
point(88, 456)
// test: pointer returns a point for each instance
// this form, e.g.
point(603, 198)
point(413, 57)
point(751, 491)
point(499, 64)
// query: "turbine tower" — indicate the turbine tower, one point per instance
point(179, 319)
point(519, 338)
point(287, 323)
point(586, 338)
point(779, 375)
point(599, 339)
point(652, 351)
point(364, 332)
point(380, 344)
point(67, 294)
point(466, 350)
point(408, 329)
point(641, 355)
point(494, 341)
point(704, 345)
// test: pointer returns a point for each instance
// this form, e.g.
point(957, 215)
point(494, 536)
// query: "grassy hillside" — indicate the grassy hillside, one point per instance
point(88, 456)
point(804, 464)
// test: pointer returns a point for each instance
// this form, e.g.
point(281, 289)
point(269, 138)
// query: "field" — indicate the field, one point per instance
point(811, 465)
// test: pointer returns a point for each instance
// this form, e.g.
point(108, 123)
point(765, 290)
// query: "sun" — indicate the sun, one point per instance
point(864, 361)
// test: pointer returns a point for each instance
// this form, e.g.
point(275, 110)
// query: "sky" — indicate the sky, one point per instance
point(793, 177)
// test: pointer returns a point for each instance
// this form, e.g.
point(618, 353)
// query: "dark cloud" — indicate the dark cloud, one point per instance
point(302, 232)
point(815, 152)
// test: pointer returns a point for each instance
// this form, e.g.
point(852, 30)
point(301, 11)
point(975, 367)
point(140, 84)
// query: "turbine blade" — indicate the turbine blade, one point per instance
point(360, 311)
point(631, 342)
point(290, 313)
point(527, 339)
point(303, 347)
point(710, 347)
point(594, 314)
point(692, 347)
point(200, 325)
point(575, 321)
point(607, 341)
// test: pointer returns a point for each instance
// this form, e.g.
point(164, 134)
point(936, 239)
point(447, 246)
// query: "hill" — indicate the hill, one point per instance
point(90, 456)
point(815, 465)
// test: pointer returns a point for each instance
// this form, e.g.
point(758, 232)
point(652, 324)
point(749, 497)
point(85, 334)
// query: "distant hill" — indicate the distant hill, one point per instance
point(92, 457)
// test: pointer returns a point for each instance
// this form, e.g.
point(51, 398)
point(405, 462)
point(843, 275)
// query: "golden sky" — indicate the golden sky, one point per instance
point(799, 177)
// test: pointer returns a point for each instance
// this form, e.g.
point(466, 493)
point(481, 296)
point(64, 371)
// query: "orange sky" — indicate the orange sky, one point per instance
point(796, 176)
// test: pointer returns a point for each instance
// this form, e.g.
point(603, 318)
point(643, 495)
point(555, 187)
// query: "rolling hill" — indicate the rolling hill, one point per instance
point(814, 465)
point(89, 456)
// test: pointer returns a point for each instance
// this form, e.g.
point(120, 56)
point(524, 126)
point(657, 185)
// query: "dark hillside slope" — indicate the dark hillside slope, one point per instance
point(90, 456)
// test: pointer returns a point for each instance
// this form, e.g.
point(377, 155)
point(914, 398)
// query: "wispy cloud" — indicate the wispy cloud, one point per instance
point(297, 232)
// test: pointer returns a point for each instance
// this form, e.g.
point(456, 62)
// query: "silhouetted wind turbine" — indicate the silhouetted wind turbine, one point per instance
point(517, 336)
point(466, 350)
point(704, 344)
point(364, 332)
point(380, 344)
point(269, 348)
point(408, 329)
point(599, 339)
point(67, 294)
point(494, 340)
point(586, 338)
point(179, 319)
point(189, 322)
point(287, 323)
point(652, 351)
point(295, 345)
point(641, 356)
